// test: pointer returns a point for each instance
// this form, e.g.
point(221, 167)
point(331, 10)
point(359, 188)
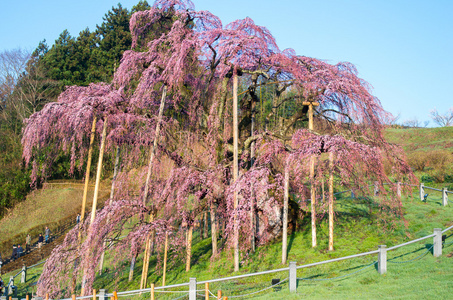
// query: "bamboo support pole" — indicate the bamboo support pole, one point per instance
point(150, 237)
point(94, 294)
point(285, 216)
point(331, 201)
point(115, 295)
point(219, 294)
point(87, 172)
point(213, 230)
point(99, 171)
point(235, 169)
point(152, 291)
point(47, 296)
point(312, 175)
point(189, 247)
point(206, 291)
point(73, 297)
point(165, 259)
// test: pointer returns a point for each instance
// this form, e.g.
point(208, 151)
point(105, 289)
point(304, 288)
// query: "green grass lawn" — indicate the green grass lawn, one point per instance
point(357, 230)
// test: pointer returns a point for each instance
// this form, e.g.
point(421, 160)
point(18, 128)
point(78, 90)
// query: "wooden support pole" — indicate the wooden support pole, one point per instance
point(219, 294)
point(330, 201)
point(313, 202)
point(285, 216)
point(94, 294)
point(87, 172)
point(235, 169)
point(150, 238)
point(115, 295)
point(152, 291)
point(311, 104)
point(99, 171)
point(27, 297)
point(206, 291)
point(213, 229)
point(73, 297)
point(189, 247)
point(165, 259)
point(47, 296)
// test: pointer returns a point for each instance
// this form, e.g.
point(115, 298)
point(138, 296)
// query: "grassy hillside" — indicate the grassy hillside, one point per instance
point(429, 152)
point(51, 206)
point(359, 228)
point(419, 276)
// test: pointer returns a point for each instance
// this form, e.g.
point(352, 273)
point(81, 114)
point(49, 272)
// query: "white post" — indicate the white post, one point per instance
point(193, 289)
point(292, 276)
point(437, 242)
point(382, 259)
point(444, 197)
point(23, 276)
point(422, 190)
point(10, 285)
point(102, 294)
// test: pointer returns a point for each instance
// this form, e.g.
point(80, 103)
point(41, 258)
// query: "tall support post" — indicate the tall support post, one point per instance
point(192, 288)
point(87, 172)
point(398, 189)
point(189, 247)
point(382, 259)
point(444, 197)
point(314, 242)
point(422, 191)
point(150, 237)
point(205, 224)
point(437, 242)
point(132, 267)
point(330, 201)
point(292, 276)
point(165, 259)
point(99, 171)
point(213, 229)
point(252, 162)
point(235, 168)
point(313, 202)
point(285, 216)
point(112, 193)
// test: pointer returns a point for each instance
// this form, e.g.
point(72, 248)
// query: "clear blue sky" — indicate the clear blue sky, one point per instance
point(403, 48)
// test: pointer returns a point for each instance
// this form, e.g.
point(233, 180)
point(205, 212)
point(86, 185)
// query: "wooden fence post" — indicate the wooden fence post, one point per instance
point(219, 294)
point(437, 242)
point(444, 197)
point(152, 291)
point(292, 276)
point(206, 291)
point(382, 259)
point(73, 297)
point(94, 294)
point(47, 296)
point(422, 190)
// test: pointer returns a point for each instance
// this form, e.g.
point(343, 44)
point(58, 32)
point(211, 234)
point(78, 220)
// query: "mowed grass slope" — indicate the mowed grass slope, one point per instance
point(52, 206)
point(413, 272)
point(358, 229)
